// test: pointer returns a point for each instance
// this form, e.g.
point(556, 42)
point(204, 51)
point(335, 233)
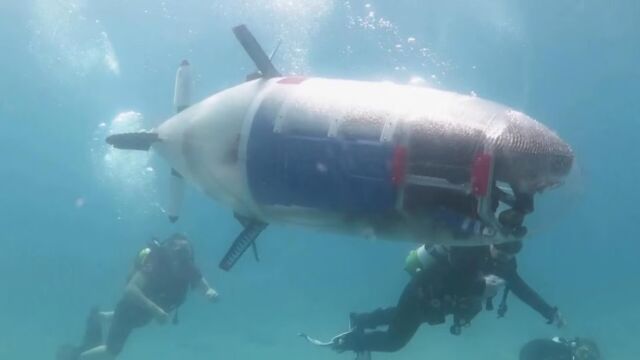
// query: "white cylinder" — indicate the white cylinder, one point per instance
point(182, 91)
point(176, 196)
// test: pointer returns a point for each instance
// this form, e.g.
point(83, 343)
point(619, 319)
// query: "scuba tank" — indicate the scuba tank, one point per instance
point(425, 257)
point(417, 260)
point(161, 254)
point(463, 308)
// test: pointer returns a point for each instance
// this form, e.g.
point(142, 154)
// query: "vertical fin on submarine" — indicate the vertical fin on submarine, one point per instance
point(257, 74)
point(245, 221)
point(246, 238)
point(255, 51)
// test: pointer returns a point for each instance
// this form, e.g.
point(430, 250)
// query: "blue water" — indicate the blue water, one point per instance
point(74, 214)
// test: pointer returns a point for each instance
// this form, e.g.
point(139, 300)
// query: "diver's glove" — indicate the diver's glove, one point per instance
point(492, 284)
point(512, 220)
point(557, 319)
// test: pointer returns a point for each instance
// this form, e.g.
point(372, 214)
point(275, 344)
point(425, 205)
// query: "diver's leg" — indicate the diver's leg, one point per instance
point(93, 331)
point(372, 320)
point(124, 319)
point(91, 338)
point(406, 320)
point(119, 331)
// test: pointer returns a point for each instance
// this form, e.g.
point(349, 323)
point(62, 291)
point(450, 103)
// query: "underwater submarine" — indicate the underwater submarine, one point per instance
point(372, 159)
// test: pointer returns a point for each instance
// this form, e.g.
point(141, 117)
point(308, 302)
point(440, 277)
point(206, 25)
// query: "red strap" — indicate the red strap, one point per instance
point(398, 165)
point(294, 80)
point(480, 174)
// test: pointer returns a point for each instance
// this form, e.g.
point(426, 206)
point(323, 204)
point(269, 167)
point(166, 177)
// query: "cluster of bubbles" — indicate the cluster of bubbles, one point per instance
point(128, 174)
point(63, 37)
point(399, 48)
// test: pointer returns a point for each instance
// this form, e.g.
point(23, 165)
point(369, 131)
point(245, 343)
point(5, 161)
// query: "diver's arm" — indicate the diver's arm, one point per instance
point(210, 293)
point(203, 285)
point(133, 291)
point(523, 202)
point(529, 296)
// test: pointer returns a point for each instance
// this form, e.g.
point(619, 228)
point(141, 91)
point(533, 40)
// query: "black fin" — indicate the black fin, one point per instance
point(246, 238)
point(255, 52)
point(92, 338)
point(246, 221)
point(254, 247)
point(133, 141)
point(257, 74)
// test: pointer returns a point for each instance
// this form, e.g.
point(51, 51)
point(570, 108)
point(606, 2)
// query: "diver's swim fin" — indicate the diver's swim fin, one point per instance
point(247, 238)
point(133, 141)
point(340, 342)
point(335, 344)
point(316, 342)
point(92, 337)
point(93, 330)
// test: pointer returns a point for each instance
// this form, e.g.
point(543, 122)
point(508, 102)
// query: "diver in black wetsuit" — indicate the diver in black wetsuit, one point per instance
point(560, 349)
point(162, 276)
point(447, 282)
point(499, 260)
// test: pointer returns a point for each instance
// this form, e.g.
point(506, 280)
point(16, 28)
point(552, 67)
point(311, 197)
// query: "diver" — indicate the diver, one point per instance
point(158, 284)
point(445, 281)
point(559, 348)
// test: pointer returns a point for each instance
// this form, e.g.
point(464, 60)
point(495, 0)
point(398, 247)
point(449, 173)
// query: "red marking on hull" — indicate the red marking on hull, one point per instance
point(480, 174)
point(292, 80)
point(398, 165)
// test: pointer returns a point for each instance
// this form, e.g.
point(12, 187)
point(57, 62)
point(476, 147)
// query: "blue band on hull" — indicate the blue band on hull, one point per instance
point(317, 172)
